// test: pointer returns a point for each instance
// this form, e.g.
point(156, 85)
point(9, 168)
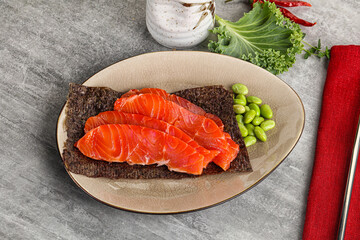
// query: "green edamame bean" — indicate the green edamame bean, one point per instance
point(249, 140)
point(267, 125)
point(247, 108)
point(256, 108)
point(239, 109)
point(249, 116)
point(243, 130)
point(253, 99)
point(241, 99)
point(250, 129)
point(257, 121)
point(239, 118)
point(266, 111)
point(238, 102)
point(260, 134)
point(239, 88)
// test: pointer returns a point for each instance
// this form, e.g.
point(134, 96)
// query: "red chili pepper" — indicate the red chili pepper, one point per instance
point(254, 1)
point(295, 19)
point(290, 3)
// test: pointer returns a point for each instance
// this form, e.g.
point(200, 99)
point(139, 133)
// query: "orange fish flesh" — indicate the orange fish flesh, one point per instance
point(117, 117)
point(178, 100)
point(140, 145)
point(202, 129)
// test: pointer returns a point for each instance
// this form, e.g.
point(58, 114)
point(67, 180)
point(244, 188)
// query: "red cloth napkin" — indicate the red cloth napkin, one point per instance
point(336, 134)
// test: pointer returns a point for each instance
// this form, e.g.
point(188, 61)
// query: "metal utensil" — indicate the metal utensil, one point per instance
point(349, 184)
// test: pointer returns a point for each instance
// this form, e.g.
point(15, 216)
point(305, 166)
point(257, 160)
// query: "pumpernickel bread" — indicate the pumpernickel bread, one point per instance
point(84, 102)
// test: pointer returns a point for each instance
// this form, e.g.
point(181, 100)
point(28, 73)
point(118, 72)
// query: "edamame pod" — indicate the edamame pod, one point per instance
point(253, 99)
point(260, 134)
point(267, 125)
point(249, 116)
point(239, 88)
point(249, 140)
point(266, 111)
point(239, 109)
point(257, 121)
point(243, 130)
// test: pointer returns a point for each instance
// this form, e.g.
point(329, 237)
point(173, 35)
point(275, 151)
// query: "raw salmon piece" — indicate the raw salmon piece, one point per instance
point(140, 145)
point(234, 148)
point(116, 117)
point(203, 130)
point(178, 100)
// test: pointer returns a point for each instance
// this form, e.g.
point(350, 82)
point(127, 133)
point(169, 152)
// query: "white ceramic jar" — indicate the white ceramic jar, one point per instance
point(180, 23)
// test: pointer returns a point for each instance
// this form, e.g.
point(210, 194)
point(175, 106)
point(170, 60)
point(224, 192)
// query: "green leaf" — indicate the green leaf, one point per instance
point(327, 53)
point(321, 54)
point(262, 36)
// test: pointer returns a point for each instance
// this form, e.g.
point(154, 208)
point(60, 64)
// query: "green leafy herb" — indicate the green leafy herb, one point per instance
point(316, 51)
point(262, 36)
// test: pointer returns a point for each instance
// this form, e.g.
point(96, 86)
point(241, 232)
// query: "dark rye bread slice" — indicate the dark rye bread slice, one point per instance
point(84, 102)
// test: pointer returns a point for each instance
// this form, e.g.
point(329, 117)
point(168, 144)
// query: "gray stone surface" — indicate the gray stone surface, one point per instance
point(44, 45)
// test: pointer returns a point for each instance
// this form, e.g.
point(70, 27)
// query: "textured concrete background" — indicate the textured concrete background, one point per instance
point(44, 45)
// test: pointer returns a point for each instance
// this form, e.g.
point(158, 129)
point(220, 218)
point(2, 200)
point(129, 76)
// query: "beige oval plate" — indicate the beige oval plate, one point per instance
point(178, 70)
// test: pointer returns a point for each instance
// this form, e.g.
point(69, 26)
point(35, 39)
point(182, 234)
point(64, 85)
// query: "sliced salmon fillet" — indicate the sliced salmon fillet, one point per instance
point(140, 145)
point(117, 117)
point(202, 129)
point(178, 100)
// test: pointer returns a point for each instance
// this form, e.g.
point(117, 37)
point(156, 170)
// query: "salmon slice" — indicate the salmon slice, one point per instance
point(203, 130)
point(116, 117)
point(178, 100)
point(140, 145)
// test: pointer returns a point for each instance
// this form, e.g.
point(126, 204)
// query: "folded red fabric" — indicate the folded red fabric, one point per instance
point(336, 133)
